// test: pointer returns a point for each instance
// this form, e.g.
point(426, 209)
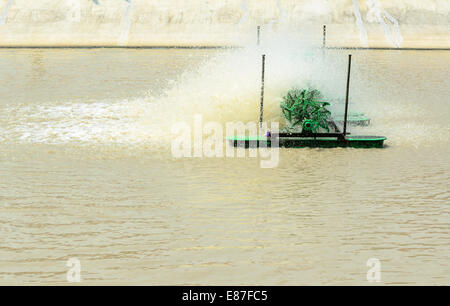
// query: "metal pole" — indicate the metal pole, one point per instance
point(261, 111)
point(324, 44)
point(348, 90)
point(258, 35)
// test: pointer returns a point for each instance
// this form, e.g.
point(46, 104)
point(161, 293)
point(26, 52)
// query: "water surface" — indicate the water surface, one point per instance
point(85, 173)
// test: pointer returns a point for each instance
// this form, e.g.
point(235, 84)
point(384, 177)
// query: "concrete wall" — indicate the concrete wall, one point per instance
point(215, 22)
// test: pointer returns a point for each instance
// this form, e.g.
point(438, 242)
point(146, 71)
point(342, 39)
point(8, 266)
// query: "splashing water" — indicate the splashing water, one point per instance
point(231, 90)
point(360, 24)
point(126, 16)
point(380, 16)
point(5, 12)
point(225, 88)
point(99, 122)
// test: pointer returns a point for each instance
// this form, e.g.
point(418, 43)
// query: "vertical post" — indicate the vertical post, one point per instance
point(261, 110)
point(324, 43)
point(258, 35)
point(347, 94)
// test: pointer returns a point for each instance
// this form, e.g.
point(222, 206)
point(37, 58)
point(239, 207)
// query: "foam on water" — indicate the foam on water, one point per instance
point(89, 123)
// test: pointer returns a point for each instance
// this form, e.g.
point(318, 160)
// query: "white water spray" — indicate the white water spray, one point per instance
point(360, 24)
point(5, 12)
point(380, 16)
point(126, 16)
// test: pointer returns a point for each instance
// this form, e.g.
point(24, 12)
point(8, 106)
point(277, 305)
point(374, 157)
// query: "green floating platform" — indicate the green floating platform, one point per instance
point(309, 142)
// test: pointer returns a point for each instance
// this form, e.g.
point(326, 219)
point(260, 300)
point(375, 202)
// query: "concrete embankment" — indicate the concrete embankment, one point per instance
point(351, 23)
